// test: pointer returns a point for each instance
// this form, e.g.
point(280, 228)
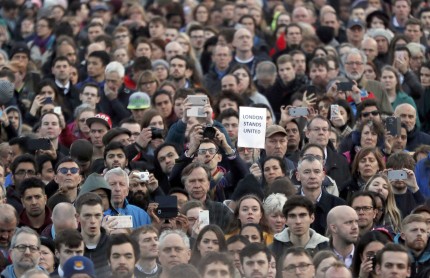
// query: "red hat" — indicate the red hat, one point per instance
point(100, 118)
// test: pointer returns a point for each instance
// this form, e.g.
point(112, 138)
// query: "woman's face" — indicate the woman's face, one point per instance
point(209, 243)
point(250, 211)
point(46, 258)
point(388, 78)
point(202, 15)
point(157, 53)
point(47, 91)
point(323, 266)
point(377, 23)
point(319, 53)
point(244, 79)
point(269, 119)
point(424, 76)
point(121, 56)
point(74, 76)
point(157, 122)
point(256, 14)
point(368, 166)
point(226, 103)
point(323, 108)
point(369, 73)
point(82, 121)
point(380, 209)
point(272, 268)
point(184, 43)
point(343, 113)
point(371, 249)
point(252, 234)
point(42, 29)
point(276, 221)
point(161, 73)
point(379, 185)
point(369, 138)
point(272, 170)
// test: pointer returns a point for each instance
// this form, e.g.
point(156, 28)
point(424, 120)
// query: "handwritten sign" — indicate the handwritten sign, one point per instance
point(252, 127)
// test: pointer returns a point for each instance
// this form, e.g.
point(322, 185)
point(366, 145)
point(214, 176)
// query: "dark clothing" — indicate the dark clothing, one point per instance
point(116, 108)
point(423, 106)
point(322, 207)
point(348, 188)
point(336, 165)
point(99, 255)
point(219, 214)
point(408, 201)
point(416, 138)
point(14, 198)
point(294, 156)
point(47, 232)
point(140, 274)
point(24, 220)
point(411, 85)
point(212, 81)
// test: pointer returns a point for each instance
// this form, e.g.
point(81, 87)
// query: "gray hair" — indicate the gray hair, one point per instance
point(266, 67)
point(24, 230)
point(308, 159)
point(35, 272)
point(115, 67)
point(116, 172)
point(84, 107)
point(274, 203)
point(354, 51)
point(8, 213)
point(180, 233)
point(416, 48)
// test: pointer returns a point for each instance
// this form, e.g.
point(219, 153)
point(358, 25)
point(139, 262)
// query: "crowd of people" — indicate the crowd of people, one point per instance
point(119, 129)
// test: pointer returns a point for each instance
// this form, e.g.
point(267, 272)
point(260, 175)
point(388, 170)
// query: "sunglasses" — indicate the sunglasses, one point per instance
point(366, 114)
point(64, 170)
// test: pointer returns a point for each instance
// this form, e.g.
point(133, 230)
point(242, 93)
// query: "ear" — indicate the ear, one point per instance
point(55, 179)
point(402, 235)
point(297, 175)
point(312, 216)
point(57, 254)
point(378, 270)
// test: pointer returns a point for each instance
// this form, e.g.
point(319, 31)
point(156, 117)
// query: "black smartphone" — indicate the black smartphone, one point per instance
point(393, 125)
point(39, 144)
point(167, 207)
point(345, 86)
point(47, 100)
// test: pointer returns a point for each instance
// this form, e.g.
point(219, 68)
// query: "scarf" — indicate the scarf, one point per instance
point(44, 44)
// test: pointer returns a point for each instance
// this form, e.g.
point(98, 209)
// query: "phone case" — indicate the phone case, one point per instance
point(124, 221)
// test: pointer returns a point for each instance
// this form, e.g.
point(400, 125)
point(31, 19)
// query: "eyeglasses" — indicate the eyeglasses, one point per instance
point(317, 157)
point(292, 268)
point(64, 170)
point(25, 173)
point(354, 63)
point(366, 114)
point(121, 37)
point(22, 248)
point(363, 209)
point(204, 151)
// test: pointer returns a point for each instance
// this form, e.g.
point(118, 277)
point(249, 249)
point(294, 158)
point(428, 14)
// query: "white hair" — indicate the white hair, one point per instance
point(117, 171)
point(180, 233)
point(274, 203)
point(115, 67)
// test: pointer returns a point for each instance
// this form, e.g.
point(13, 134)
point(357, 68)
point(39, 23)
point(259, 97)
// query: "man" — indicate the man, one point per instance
point(63, 217)
point(166, 155)
point(401, 13)
point(119, 182)
point(36, 213)
point(336, 165)
point(173, 249)
point(97, 62)
point(216, 264)
point(293, 34)
point(133, 127)
point(276, 145)
point(179, 67)
point(162, 101)
point(302, 14)
point(318, 70)
point(400, 141)
point(90, 94)
point(342, 223)
point(408, 116)
point(393, 261)
point(8, 222)
point(370, 47)
point(265, 76)
point(157, 27)
point(294, 138)
point(230, 120)
point(299, 212)
point(173, 49)
point(99, 126)
point(79, 266)
point(24, 253)
point(61, 68)
point(409, 80)
point(414, 234)
point(95, 29)
point(230, 82)
point(221, 58)
point(365, 205)
point(115, 156)
point(296, 262)
point(117, 135)
point(23, 166)
point(50, 128)
point(353, 63)
point(68, 243)
point(424, 16)
point(255, 260)
point(338, 270)
point(310, 174)
point(67, 177)
point(146, 265)
point(197, 37)
point(330, 19)
point(414, 30)
point(299, 61)
point(138, 103)
point(89, 209)
point(355, 32)
point(123, 254)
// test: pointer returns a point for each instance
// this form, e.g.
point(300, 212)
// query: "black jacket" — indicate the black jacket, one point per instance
point(325, 204)
point(336, 165)
point(416, 138)
point(99, 255)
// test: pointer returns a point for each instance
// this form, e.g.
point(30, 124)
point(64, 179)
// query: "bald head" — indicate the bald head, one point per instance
point(172, 49)
point(370, 47)
point(243, 41)
point(342, 223)
point(64, 216)
point(407, 114)
point(337, 212)
point(337, 270)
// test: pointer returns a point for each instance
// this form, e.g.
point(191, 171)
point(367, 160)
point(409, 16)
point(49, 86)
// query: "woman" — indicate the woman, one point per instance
point(273, 205)
point(78, 129)
point(201, 14)
point(161, 70)
point(148, 82)
point(365, 253)
point(424, 102)
point(273, 168)
point(320, 52)
point(323, 105)
point(47, 255)
point(322, 261)
point(151, 118)
point(42, 46)
point(365, 165)
point(228, 100)
point(184, 40)
point(371, 71)
point(379, 183)
point(391, 81)
point(252, 232)
point(343, 121)
point(210, 239)
point(157, 46)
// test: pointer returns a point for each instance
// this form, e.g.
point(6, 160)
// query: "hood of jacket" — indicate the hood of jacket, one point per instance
point(315, 238)
point(15, 108)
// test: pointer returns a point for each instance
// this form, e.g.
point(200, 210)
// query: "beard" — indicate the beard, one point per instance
point(353, 76)
point(139, 199)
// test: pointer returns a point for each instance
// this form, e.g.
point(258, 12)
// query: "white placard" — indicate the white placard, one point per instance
point(252, 127)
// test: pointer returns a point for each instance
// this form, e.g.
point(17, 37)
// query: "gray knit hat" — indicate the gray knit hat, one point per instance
point(160, 62)
point(379, 32)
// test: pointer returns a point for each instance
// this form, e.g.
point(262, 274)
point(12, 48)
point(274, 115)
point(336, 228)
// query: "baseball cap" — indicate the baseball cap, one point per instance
point(78, 264)
point(355, 22)
point(100, 118)
point(114, 132)
point(273, 129)
point(139, 100)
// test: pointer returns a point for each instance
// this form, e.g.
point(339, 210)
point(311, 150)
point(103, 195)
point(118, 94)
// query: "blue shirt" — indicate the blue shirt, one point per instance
point(139, 216)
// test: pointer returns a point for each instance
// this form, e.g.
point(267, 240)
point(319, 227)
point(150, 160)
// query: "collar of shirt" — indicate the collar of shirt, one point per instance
point(348, 259)
point(303, 194)
point(65, 87)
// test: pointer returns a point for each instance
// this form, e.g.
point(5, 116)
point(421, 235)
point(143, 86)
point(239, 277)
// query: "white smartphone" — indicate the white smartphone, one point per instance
point(123, 221)
point(196, 111)
point(334, 108)
point(397, 175)
point(204, 218)
point(57, 110)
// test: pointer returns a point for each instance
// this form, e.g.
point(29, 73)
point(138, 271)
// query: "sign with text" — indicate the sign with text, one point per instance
point(252, 127)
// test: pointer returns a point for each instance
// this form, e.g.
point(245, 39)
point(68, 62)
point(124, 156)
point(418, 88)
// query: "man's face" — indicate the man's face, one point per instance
point(294, 35)
point(382, 44)
point(171, 34)
point(366, 212)
point(197, 184)
point(370, 113)
point(69, 180)
point(22, 58)
point(293, 135)
point(148, 244)
point(255, 266)
point(301, 14)
point(173, 251)
point(90, 95)
point(276, 145)
point(286, 72)
point(217, 270)
point(177, 69)
point(156, 30)
point(143, 49)
point(425, 20)
point(134, 129)
point(400, 141)
point(330, 20)
point(115, 158)
point(166, 157)
point(61, 70)
point(231, 124)
point(401, 10)
point(122, 260)
point(90, 219)
point(393, 264)
point(229, 82)
point(120, 189)
point(95, 67)
point(243, 40)
point(355, 34)
point(23, 170)
point(407, 116)
point(93, 32)
point(415, 236)
point(413, 32)
point(26, 260)
point(50, 127)
point(370, 48)
point(297, 266)
point(221, 57)
point(354, 67)
point(7, 229)
point(173, 49)
point(299, 63)
point(310, 175)
point(66, 252)
point(164, 105)
point(318, 75)
point(318, 132)
point(68, 51)
point(299, 221)
point(113, 81)
point(13, 118)
point(97, 131)
point(346, 226)
point(208, 154)
point(197, 39)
